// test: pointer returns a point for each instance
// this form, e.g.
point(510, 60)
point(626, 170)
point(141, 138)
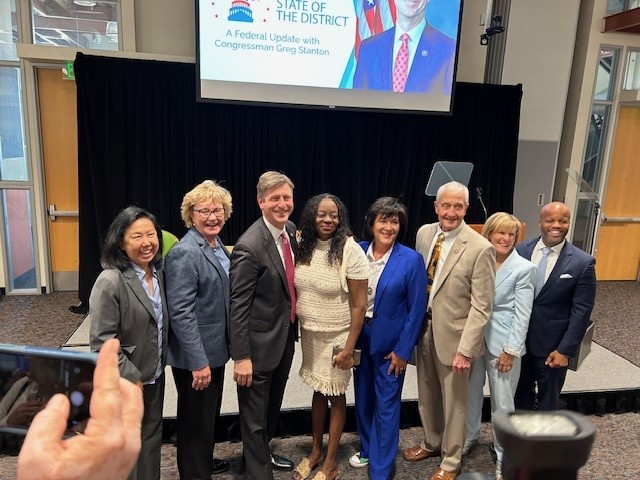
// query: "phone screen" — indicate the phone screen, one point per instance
point(30, 376)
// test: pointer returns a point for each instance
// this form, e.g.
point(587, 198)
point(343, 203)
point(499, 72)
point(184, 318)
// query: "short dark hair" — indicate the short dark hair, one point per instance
point(386, 207)
point(113, 256)
point(309, 237)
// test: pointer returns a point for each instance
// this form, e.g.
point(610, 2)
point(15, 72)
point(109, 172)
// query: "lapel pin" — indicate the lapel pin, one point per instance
point(425, 53)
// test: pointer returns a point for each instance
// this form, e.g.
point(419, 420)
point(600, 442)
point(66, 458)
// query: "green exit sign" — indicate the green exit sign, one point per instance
point(69, 71)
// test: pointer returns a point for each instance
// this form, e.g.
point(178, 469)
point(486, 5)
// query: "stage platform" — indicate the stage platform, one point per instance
point(605, 382)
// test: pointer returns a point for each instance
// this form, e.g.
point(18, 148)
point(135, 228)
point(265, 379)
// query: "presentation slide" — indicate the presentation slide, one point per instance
point(389, 54)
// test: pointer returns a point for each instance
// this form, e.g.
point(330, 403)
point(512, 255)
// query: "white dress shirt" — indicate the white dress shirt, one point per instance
point(278, 239)
point(552, 258)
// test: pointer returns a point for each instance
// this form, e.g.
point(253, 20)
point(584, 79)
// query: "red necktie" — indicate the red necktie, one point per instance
point(289, 270)
point(401, 65)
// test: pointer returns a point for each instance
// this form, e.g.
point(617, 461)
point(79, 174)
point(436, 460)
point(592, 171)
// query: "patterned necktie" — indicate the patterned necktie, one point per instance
point(289, 270)
point(542, 269)
point(433, 263)
point(401, 65)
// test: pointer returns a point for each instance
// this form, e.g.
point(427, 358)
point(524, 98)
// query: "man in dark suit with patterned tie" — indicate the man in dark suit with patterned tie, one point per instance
point(565, 294)
point(262, 326)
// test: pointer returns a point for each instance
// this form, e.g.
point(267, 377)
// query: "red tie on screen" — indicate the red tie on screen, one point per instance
point(288, 267)
point(401, 65)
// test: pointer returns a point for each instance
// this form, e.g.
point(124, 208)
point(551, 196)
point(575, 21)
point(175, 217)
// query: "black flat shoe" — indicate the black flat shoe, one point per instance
point(281, 463)
point(219, 466)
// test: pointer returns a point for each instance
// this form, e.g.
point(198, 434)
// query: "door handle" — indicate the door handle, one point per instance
point(53, 213)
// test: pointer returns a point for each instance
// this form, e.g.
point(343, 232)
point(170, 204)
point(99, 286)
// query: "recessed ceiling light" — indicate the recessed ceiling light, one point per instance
point(85, 3)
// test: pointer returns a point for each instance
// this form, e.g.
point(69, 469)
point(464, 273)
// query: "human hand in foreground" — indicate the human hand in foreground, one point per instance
point(111, 443)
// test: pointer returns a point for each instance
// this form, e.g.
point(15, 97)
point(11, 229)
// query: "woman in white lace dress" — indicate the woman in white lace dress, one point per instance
point(331, 279)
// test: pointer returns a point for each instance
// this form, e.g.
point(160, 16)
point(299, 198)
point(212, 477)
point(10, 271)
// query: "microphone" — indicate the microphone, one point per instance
point(479, 196)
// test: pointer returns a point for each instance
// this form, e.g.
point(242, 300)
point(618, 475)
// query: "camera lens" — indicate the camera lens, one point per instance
point(76, 398)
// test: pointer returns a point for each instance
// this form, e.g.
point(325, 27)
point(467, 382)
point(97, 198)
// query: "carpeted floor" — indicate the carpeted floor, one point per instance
point(43, 320)
point(46, 320)
point(617, 317)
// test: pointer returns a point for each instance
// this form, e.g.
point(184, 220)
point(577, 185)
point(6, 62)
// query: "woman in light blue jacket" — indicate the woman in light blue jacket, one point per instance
point(506, 331)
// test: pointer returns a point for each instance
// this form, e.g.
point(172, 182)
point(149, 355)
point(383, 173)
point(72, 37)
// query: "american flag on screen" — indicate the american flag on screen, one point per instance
point(373, 16)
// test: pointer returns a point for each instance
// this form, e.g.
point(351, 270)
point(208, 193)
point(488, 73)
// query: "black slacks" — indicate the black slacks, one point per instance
point(148, 466)
point(549, 382)
point(259, 411)
point(195, 423)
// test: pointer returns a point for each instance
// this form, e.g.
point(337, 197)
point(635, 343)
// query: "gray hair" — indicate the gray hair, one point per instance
point(454, 188)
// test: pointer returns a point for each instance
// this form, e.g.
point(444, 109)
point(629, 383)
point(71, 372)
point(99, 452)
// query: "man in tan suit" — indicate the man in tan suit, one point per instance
point(461, 270)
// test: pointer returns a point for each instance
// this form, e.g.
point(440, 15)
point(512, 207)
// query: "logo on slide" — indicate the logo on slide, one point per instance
point(240, 11)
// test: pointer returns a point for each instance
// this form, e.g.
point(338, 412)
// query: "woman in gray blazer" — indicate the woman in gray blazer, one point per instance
point(128, 302)
point(197, 276)
point(506, 330)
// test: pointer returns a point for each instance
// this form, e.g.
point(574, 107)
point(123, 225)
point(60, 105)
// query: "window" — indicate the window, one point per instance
point(76, 23)
point(587, 209)
point(605, 78)
point(19, 236)
point(8, 30)
point(599, 116)
point(13, 161)
point(619, 6)
point(632, 71)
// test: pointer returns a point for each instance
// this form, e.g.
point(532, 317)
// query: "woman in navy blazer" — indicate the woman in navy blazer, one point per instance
point(197, 276)
point(506, 330)
point(397, 299)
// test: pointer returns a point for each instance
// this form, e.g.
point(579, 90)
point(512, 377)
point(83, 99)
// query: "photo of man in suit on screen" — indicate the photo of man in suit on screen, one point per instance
point(412, 56)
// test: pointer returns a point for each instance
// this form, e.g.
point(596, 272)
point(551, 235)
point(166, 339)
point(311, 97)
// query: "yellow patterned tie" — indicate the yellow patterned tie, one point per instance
point(433, 263)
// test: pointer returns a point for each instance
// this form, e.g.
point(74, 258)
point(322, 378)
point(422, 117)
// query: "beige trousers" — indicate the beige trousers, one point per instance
point(442, 403)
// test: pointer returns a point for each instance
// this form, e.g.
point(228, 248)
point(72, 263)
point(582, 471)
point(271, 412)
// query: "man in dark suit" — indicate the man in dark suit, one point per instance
point(262, 321)
point(564, 298)
point(410, 57)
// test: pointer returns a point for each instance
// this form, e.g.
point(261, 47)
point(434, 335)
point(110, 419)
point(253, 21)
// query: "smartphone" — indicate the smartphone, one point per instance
point(30, 376)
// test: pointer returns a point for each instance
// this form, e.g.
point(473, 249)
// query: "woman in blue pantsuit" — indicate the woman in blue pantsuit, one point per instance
point(393, 321)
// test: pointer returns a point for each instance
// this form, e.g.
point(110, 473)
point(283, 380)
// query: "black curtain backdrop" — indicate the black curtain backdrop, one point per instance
point(143, 139)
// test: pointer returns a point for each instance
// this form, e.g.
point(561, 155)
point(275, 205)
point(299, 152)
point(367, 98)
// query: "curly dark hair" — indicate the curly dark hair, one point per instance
point(309, 236)
point(385, 207)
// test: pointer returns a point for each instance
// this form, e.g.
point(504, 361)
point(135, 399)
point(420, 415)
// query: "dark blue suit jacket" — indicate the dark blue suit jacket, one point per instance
point(562, 309)
point(431, 70)
point(400, 303)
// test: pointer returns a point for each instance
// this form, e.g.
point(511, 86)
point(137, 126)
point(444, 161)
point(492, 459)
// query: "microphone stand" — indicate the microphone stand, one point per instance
point(479, 196)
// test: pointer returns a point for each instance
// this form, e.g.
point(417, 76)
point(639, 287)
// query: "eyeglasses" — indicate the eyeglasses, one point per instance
point(206, 213)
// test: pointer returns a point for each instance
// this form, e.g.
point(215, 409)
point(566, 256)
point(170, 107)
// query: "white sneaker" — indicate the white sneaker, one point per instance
point(357, 462)
point(468, 446)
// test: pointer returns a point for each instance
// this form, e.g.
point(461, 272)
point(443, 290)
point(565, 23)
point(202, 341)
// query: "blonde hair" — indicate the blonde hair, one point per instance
point(207, 191)
point(502, 221)
point(270, 180)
